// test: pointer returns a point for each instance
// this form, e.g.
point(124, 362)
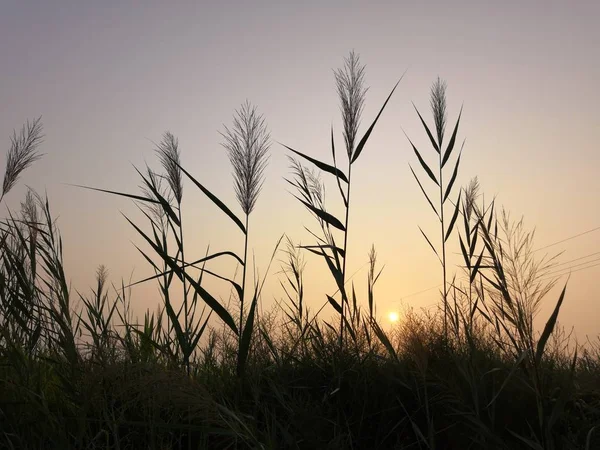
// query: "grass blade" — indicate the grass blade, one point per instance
point(453, 220)
point(450, 147)
point(216, 201)
point(431, 138)
point(430, 244)
point(452, 179)
point(509, 376)
point(208, 299)
point(331, 247)
point(330, 219)
point(244, 349)
point(549, 327)
point(424, 164)
point(335, 304)
point(363, 141)
point(335, 164)
point(321, 165)
point(424, 193)
point(384, 339)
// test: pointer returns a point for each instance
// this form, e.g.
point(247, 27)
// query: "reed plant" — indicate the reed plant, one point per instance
point(351, 92)
point(438, 108)
point(81, 371)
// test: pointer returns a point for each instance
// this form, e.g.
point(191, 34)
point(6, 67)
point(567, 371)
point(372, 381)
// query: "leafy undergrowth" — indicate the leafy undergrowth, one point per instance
point(434, 395)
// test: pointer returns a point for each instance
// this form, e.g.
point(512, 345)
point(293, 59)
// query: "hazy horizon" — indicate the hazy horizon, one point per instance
point(108, 79)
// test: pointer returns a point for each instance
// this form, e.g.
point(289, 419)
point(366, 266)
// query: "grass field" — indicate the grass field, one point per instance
point(82, 372)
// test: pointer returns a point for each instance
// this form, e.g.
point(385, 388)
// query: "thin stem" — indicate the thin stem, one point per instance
point(345, 254)
point(185, 292)
point(243, 282)
point(445, 291)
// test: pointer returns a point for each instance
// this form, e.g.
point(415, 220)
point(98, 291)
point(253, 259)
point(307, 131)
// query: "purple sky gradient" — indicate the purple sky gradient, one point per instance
point(110, 77)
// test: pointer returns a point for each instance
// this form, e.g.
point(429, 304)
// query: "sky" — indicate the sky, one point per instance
point(109, 78)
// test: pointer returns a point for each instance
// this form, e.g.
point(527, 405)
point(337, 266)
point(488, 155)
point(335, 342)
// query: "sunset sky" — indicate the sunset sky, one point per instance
point(110, 77)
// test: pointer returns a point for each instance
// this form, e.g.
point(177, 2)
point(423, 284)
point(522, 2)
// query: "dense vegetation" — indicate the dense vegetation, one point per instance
point(81, 372)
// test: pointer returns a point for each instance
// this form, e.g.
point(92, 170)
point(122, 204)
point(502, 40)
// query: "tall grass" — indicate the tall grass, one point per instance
point(438, 109)
point(89, 374)
point(351, 92)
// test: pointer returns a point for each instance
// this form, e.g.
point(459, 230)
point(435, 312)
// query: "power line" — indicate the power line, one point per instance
point(573, 266)
point(577, 259)
point(420, 292)
point(558, 242)
point(536, 250)
point(568, 272)
point(567, 239)
point(558, 273)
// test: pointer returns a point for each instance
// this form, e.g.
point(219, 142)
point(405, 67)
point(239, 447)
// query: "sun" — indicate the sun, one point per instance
point(393, 316)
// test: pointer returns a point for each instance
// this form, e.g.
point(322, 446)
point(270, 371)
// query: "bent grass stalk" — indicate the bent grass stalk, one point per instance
point(351, 92)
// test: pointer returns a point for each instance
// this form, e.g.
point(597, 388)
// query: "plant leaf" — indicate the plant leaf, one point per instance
point(474, 241)
point(331, 247)
point(215, 200)
point(335, 165)
point(163, 201)
point(450, 147)
point(330, 219)
point(321, 165)
point(430, 244)
point(476, 267)
point(335, 304)
point(424, 193)
point(507, 379)
point(168, 210)
point(337, 274)
point(363, 141)
point(384, 339)
point(244, 349)
point(199, 333)
point(208, 299)
point(424, 164)
point(549, 328)
point(464, 252)
point(453, 220)
point(191, 264)
point(435, 145)
point(452, 179)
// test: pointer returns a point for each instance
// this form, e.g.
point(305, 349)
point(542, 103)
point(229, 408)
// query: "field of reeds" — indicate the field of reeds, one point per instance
point(82, 371)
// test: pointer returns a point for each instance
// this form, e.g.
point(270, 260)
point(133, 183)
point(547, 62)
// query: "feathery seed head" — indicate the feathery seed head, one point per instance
point(308, 183)
point(29, 213)
point(438, 107)
point(22, 153)
point(471, 196)
point(351, 90)
point(247, 143)
point(156, 210)
point(170, 158)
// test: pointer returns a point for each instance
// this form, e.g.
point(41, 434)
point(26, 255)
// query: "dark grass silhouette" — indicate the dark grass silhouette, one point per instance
point(86, 374)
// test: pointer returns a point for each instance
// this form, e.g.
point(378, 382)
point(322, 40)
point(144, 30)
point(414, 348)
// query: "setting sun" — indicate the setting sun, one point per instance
point(393, 316)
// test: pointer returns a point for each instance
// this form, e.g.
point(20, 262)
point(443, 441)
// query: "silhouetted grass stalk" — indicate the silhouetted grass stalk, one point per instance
point(351, 92)
point(438, 107)
point(247, 144)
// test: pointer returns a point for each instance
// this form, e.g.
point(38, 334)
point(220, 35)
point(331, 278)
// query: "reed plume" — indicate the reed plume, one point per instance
point(170, 158)
point(351, 91)
point(247, 143)
point(23, 152)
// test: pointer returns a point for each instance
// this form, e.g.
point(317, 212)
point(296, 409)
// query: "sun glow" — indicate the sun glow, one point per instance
point(393, 316)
